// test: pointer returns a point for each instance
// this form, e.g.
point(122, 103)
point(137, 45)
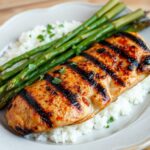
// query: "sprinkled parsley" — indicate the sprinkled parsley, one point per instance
point(61, 25)
point(40, 38)
point(107, 126)
point(56, 81)
point(49, 28)
point(74, 63)
point(74, 47)
point(32, 66)
point(51, 35)
point(41, 77)
point(62, 70)
point(111, 119)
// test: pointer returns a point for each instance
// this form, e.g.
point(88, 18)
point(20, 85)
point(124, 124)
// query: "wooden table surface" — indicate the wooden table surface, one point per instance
point(9, 8)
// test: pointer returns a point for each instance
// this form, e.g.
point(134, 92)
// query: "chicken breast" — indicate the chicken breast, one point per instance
point(83, 86)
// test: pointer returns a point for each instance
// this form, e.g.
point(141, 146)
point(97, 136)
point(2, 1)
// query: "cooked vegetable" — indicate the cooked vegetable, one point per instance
point(95, 80)
point(24, 76)
point(34, 76)
point(119, 7)
point(138, 26)
point(59, 42)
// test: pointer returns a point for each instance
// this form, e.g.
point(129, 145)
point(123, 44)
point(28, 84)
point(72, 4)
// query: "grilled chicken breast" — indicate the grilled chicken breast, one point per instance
point(83, 86)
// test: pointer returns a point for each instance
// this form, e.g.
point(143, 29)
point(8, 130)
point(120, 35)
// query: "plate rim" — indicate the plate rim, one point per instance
point(11, 19)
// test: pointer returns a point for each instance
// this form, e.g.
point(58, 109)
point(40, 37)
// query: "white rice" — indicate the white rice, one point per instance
point(70, 134)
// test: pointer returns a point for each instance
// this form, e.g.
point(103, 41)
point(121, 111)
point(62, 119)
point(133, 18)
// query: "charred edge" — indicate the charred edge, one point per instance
point(135, 39)
point(145, 62)
point(101, 50)
point(104, 68)
point(89, 77)
point(31, 101)
point(23, 131)
point(67, 93)
point(121, 52)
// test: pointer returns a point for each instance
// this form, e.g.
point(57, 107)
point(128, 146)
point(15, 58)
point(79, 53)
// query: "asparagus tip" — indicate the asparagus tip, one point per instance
point(147, 12)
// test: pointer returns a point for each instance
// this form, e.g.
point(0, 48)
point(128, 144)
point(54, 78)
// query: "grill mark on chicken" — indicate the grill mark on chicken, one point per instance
point(145, 62)
point(101, 50)
point(22, 131)
point(104, 68)
point(71, 97)
point(58, 107)
point(88, 76)
point(135, 39)
point(120, 51)
point(32, 102)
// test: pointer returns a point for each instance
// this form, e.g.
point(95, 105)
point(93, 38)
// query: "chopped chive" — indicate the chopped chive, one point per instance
point(107, 126)
point(31, 66)
point(49, 28)
point(73, 63)
point(51, 35)
point(41, 77)
point(61, 25)
point(56, 81)
point(43, 30)
point(74, 47)
point(40, 38)
point(62, 70)
point(111, 119)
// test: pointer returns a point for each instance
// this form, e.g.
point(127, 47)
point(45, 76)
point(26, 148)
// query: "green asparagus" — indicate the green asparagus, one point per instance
point(134, 27)
point(110, 14)
point(59, 42)
point(34, 76)
point(115, 25)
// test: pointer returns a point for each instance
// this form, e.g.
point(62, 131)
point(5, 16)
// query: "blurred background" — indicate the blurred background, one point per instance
point(9, 8)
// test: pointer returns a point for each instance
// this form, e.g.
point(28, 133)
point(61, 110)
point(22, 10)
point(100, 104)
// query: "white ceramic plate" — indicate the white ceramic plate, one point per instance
point(129, 131)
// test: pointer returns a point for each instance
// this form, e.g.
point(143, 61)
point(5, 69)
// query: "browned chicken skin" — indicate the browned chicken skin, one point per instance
point(87, 84)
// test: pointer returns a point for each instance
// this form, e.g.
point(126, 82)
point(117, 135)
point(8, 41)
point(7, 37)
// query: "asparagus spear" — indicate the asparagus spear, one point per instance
point(110, 14)
point(115, 25)
point(138, 26)
point(34, 76)
point(134, 27)
point(60, 59)
point(65, 38)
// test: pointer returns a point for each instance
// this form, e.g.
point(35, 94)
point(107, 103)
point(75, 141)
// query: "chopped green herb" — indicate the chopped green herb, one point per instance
point(111, 119)
point(61, 25)
point(56, 81)
point(51, 35)
point(41, 77)
point(32, 66)
point(62, 70)
point(74, 47)
point(49, 28)
point(107, 126)
point(43, 30)
point(74, 63)
point(40, 38)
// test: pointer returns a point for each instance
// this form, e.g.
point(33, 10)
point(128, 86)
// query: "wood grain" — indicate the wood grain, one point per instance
point(9, 8)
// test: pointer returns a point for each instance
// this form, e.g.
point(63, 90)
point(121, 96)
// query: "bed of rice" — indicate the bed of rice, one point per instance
point(70, 134)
